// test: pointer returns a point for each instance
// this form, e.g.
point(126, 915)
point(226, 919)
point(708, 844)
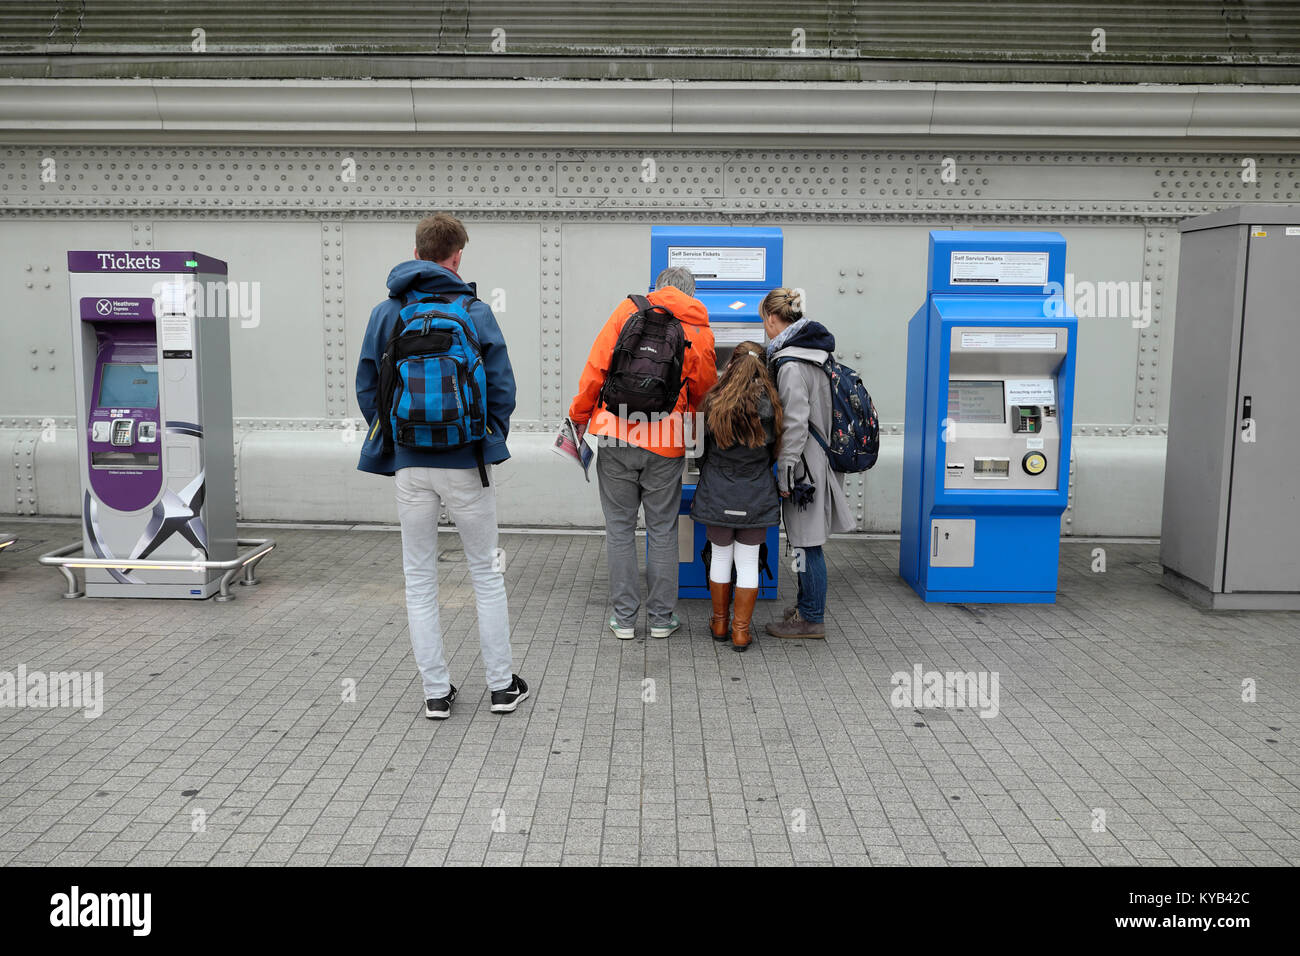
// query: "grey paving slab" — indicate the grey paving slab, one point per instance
point(286, 727)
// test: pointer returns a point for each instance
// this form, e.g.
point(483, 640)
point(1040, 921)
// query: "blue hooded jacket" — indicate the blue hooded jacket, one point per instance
point(407, 282)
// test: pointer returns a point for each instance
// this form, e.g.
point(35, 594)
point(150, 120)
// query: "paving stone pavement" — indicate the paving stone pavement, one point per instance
point(227, 736)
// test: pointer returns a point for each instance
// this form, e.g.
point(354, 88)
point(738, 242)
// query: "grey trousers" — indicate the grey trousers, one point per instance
point(632, 479)
point(421, 494)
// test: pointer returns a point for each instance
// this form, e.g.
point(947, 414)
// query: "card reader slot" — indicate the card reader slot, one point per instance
point(124, 459)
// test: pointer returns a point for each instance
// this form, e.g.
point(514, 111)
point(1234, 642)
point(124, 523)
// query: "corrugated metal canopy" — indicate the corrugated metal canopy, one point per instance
point(997, 31)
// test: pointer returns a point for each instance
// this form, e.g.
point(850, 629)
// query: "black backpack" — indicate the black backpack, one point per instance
point(645, 370)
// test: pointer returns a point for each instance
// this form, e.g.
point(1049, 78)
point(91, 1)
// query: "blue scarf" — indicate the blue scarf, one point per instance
point(778, 343)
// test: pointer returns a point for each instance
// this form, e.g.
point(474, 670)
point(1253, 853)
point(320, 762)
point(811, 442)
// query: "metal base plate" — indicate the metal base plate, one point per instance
point(1202, 596)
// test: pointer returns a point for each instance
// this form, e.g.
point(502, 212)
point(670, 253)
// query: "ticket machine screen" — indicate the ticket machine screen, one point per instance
point(976, 403)
point(124, 385)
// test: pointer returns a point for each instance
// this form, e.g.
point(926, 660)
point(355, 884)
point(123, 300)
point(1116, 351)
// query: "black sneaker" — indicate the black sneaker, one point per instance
point(505, 701)
point(439, 708)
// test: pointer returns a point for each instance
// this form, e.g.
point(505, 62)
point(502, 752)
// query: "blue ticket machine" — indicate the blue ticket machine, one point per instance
point(734, 267)
point(990, 395)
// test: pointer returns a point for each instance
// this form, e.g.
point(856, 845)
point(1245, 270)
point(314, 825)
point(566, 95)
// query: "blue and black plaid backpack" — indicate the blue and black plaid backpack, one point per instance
point(432, 384)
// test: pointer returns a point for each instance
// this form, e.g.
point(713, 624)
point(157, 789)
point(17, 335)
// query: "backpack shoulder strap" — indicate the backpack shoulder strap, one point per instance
point(641, 302)
point(806, 361)
point(825, 367)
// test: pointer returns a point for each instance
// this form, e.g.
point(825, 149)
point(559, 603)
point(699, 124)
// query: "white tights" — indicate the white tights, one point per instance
point(746, 560)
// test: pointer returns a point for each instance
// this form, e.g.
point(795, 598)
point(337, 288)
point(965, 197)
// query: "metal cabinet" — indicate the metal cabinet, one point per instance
point(1230, 532)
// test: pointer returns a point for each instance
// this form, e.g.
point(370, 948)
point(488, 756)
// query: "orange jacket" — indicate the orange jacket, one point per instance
point(699, 372)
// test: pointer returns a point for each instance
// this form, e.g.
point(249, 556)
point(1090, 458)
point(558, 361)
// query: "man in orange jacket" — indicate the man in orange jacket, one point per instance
point(640, 461)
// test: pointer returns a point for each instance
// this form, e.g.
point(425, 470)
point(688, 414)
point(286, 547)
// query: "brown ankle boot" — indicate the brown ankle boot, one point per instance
point(740, 636)
point(721, 594)
point(795, 626)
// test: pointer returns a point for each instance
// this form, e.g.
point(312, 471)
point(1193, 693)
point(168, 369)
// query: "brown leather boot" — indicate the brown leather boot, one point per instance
point(740, 636)
point(796, 627)
point(721, 594)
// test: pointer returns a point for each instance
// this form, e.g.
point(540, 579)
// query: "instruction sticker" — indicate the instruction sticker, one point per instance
point(726, 335)
point(998, 268)
point(1008, 340)
point(730, 263)
point(177, 333)
point(1031, 391)
point(176, 296)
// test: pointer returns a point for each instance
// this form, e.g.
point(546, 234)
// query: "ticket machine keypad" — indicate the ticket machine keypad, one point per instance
point(122, 431)
point(1027, 419)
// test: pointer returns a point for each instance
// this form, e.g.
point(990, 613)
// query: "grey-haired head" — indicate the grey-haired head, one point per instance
point(677, 277)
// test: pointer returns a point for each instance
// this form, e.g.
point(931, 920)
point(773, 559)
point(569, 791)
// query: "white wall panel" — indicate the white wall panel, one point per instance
point(603, 264)
point(502, 258)
point(863, 282)
point(36, 324)
point(278, 364)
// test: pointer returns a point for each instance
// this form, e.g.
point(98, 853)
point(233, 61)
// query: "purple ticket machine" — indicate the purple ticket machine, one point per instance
point(151, 342)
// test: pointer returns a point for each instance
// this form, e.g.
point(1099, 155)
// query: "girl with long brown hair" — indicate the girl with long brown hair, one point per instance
point(736, 497)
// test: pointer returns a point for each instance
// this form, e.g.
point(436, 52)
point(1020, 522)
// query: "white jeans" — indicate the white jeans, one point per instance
point(421, 494)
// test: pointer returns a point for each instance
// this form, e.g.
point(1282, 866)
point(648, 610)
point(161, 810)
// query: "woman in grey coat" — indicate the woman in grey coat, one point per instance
point(796, 350)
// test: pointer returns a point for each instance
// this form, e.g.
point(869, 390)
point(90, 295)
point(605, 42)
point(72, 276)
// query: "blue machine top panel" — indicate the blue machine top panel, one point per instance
point(720, 257)
point(1006, 309)
point(995, 262)
point(735, 305)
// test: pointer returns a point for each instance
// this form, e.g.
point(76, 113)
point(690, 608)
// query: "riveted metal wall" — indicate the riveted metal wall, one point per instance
point(558, 237)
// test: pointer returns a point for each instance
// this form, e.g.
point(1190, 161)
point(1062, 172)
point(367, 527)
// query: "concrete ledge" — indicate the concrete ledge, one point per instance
point(312, 476)
point(43, 479)
point(1119, 485)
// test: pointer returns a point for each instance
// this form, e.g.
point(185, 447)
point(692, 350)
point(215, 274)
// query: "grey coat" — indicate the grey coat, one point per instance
point(806, 396)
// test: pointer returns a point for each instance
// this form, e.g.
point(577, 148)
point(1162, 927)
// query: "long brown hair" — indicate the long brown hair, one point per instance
point(730, 407)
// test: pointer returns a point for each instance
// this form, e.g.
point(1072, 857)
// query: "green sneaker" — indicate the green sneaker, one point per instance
point(663, 630)
point(621, 632)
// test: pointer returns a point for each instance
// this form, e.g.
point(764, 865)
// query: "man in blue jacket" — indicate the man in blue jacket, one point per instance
point(429, 480)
